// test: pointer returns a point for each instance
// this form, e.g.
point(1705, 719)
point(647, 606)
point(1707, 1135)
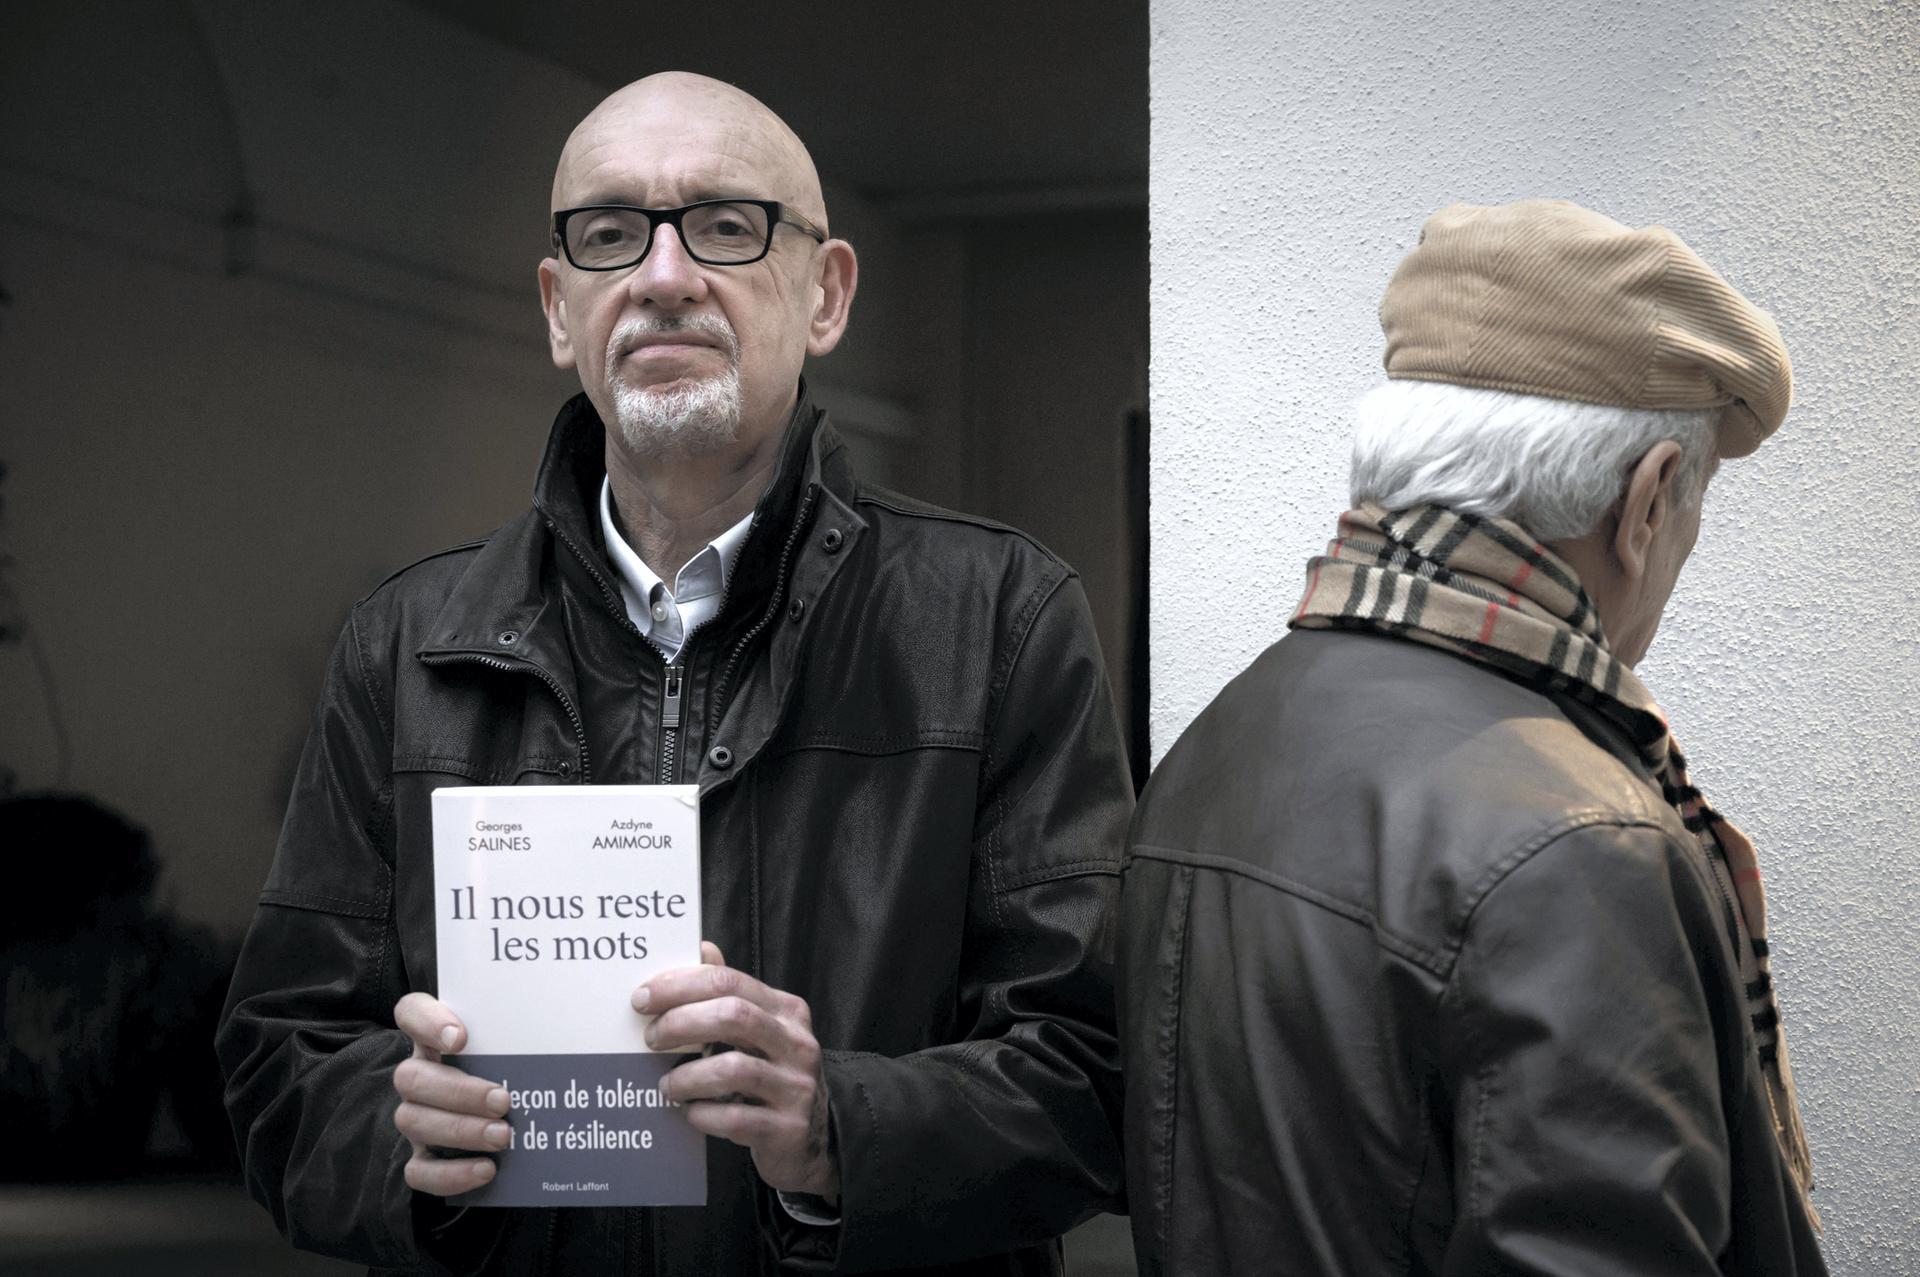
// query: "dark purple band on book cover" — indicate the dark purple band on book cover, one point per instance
point(590, 1130)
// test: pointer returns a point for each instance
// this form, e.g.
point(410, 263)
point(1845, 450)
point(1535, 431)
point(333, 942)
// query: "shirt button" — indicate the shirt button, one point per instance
point(659, 611)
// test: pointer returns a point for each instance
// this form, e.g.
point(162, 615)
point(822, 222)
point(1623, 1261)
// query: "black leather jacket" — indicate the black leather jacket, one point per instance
point(914, 798)
point(1420, 975)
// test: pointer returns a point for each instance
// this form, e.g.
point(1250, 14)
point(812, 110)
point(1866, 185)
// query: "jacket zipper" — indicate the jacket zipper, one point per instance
point(668, 772)
point(553, 685)
point(667, 766)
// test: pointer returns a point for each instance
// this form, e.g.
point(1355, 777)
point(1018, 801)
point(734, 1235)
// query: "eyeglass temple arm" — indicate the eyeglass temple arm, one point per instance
point(801, 221)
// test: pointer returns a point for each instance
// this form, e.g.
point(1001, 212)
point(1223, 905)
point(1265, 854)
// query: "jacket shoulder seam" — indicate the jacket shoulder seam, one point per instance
point(1497, 874)
point(909, 508)
point(1438, 960)
point(1504, 868)
point(463, 548)
point(1431, 960)
point(1003, 666)
point(1016, 642)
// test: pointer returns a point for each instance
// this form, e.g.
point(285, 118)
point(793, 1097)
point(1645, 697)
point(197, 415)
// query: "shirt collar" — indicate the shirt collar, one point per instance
point(704, 575)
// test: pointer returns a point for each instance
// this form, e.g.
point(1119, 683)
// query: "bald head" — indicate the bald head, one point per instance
point(676, 137)
point(668, 337)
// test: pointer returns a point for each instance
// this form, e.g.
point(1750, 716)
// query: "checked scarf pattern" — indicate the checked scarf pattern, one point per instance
point(1486, 590)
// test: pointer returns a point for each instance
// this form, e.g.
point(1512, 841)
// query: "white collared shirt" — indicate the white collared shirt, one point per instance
point(667, 615)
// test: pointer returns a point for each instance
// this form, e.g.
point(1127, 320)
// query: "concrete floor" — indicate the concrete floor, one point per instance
point(196, 1228)
point(166, 1228)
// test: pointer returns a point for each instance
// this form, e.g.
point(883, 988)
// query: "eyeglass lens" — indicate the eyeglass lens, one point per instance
point(716, 233)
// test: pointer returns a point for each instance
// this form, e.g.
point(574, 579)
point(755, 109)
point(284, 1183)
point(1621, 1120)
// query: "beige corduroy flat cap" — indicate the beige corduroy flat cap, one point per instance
point(1547, 298)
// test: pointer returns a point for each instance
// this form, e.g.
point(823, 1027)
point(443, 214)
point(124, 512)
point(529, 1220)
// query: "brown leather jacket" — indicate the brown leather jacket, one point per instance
point(1420, 975)
point(914, 798)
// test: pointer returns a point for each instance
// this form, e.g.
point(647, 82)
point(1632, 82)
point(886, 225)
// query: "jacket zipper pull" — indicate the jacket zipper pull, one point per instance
point(670, 709)
point(667, 771)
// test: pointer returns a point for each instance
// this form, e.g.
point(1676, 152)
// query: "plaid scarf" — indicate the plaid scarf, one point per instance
point(1486, 590)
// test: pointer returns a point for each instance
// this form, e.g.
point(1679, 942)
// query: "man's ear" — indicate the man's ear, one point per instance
point(1645, 506)
point(838, 276)
point(556, 308)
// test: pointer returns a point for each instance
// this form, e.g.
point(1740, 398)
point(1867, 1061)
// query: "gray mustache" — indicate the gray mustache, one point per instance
point(628, 334)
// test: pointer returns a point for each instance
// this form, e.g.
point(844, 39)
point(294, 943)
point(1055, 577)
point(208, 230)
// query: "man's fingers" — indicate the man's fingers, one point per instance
point(730, 1020)
point(747, 1124)
point(710, 954)
point(734, 1074)
point(437, 1128)
point(442, 1086)
point(682, 985)
point(445, 1176)
point(429, 1022)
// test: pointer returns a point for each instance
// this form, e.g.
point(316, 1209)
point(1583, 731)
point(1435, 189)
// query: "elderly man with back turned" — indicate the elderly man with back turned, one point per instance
point(1432, 959)
point(913, 790)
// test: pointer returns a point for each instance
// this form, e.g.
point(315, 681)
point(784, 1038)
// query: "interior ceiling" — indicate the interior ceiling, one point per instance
point(899, 100)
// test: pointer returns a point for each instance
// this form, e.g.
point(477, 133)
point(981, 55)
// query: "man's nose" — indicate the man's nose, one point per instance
point(667, 276)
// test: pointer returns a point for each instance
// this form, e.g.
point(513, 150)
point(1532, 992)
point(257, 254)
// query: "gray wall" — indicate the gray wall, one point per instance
point(1777, 139)
point(1057, 352)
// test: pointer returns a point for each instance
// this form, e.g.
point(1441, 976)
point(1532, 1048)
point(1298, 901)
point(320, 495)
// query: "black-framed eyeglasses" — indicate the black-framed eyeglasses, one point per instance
point(714, 232)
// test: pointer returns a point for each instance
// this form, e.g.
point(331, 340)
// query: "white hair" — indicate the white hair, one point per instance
point(698, 416)
point(1553, 466)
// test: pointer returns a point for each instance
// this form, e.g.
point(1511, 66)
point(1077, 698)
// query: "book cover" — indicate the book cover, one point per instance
point(552, 903)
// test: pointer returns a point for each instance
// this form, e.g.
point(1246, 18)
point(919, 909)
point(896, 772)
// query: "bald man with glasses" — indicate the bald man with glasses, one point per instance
point(913, 792)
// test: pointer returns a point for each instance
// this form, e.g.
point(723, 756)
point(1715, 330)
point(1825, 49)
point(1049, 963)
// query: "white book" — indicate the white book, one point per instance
point(552, 903)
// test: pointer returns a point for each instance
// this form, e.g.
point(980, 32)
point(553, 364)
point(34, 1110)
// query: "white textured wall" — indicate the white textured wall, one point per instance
point(1779, 140)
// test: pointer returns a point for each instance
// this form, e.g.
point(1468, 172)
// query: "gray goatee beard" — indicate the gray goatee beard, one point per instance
point(694, 417)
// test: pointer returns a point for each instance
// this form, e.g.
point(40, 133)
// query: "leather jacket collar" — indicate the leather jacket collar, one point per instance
point(500, 608)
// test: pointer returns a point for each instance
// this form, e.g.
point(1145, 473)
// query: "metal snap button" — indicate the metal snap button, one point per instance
point(832, 541)
point(509, 637)
point(796, 609)
point(721, 757)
